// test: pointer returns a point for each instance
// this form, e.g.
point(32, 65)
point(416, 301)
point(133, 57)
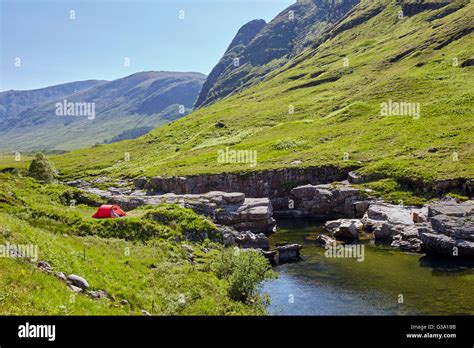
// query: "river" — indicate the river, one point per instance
point(386, 282)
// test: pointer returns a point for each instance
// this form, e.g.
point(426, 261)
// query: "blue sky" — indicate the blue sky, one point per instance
point(55, 49)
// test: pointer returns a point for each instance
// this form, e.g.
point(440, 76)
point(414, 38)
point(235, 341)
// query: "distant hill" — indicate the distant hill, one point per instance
point(14, 102)
point(129, 104)
point(261, 48)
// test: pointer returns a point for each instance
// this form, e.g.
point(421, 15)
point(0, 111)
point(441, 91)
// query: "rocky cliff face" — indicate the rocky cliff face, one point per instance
point(278, 185)
point(275, 184)
point(259, 48)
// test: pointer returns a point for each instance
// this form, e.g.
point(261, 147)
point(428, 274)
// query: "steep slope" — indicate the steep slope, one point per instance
point(122, 107)
point(261, 48)
point(14, 102)
point(322, 109)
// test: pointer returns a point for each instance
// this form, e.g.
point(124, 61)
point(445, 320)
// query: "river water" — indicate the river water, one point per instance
point(386, 282)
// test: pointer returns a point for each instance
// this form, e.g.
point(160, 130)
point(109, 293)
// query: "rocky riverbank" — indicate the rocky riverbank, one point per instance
point(443, 227)
point(243, 222)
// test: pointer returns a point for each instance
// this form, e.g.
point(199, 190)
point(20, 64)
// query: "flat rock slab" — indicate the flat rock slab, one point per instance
point(451, 207)
point(391, 213)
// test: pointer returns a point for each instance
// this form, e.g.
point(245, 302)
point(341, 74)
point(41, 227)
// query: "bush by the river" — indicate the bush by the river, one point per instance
point(244, 270)
point(42, 169)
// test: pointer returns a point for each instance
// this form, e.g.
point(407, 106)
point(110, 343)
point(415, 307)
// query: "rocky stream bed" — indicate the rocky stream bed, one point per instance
point(444, 227)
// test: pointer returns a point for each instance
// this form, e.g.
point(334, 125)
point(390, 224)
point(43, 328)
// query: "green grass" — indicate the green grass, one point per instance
point(138, 259)
point(392, 192)
point(329, 119)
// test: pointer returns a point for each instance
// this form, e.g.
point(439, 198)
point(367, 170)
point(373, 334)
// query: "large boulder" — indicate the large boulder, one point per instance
point(250, 240)
point(395, 214)
point(455, 227)
point(254, 214)
point(387, 220)
point(408, 240)
point(325, 240)
point(344, 229)
point(328, 201)
point(441, 244)
point(451, 229)
point(347, 231)
point(289, 253)
point(78, 281)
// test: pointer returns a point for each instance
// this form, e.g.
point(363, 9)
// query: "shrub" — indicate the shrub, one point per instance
point(193, 226)
point(286, 144)
point(128, 229)
point(244, 270)
point(42, 169)
point(74, 194)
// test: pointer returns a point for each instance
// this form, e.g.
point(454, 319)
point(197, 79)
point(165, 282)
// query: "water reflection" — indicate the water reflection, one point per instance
point(441, 265)
point(340, 286)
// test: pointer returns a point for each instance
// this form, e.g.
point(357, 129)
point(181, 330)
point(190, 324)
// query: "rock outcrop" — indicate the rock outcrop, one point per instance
point(248, 240)
point(451, 229)
point(274, 184)
point(445, 227)
point(289, 253)
point(327, 202)
point(387, 220)
point(230, 209)
point(412, 7)
point(78, 281)
point(277, 184)
point(395, 224)
point(344, 229)
point(325, 240)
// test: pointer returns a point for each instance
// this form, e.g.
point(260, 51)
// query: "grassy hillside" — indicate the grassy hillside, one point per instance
point(136, 258)
point(402, 60)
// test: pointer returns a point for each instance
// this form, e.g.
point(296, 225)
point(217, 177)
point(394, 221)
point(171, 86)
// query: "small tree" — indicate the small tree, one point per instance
point(42, 169)
point(244, 270)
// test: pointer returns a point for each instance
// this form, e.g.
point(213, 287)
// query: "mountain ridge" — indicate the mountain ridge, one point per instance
point(13, 102)
point(143, 99)
point(268, 46)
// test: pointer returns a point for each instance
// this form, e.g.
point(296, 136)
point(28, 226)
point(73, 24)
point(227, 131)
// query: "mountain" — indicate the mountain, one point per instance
point(14, 102)
point(261, 48)
point(318, 111)
point(122, 108)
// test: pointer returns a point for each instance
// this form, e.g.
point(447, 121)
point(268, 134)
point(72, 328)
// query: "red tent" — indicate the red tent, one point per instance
point(109, 211)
